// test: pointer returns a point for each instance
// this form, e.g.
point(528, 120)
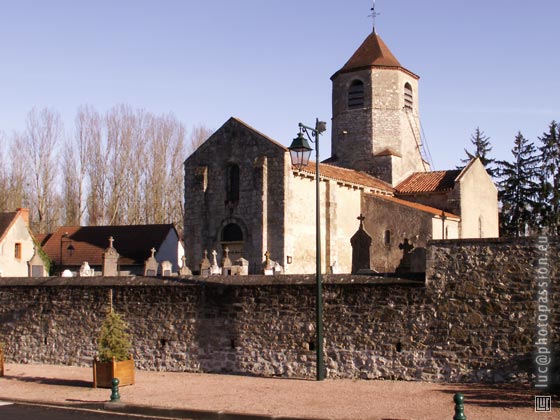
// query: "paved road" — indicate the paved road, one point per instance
point(10, 411)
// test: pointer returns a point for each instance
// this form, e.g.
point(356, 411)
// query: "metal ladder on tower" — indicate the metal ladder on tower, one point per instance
point(420, 139)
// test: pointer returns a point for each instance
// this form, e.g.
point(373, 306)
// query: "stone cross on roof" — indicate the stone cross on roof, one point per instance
point(361, 218)
point(153, 251)
point(111, 240)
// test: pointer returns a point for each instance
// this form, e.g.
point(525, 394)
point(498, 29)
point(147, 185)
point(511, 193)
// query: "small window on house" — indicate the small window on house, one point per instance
point(232, 183)
point(407, 96)
point(480, 228)
point(17, 251)
point(356, 95)
point(387, 237)
point(446, 232)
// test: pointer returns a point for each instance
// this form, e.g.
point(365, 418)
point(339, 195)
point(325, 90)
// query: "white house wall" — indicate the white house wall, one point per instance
point(9, 265)
point(479, 203)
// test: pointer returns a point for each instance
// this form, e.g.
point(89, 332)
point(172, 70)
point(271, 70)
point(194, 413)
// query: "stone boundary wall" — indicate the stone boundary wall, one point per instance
point(474, 319)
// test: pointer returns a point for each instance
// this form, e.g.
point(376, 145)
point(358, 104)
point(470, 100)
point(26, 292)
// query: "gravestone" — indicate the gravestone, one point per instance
point(226, 262)
point(361, 243)
point(86, 270)
point(166, 268)
point(205, 265)
point(110, 260)
point(270, 267)
point(151, 265)
point(215, 269)
point(184, 270)
point(406, 260)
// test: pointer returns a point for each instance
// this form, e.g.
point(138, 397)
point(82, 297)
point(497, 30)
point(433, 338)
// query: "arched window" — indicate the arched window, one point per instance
point(232, 233)
point(356, 95)
point(232, 183)
point(407, 96)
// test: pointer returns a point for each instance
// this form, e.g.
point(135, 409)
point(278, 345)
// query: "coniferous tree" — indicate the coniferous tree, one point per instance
point(114, 340)
point(481, 142)
point(518, 189)
point(549, 176)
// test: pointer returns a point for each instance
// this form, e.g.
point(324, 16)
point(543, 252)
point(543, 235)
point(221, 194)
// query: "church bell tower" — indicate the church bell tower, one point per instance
point(375, 124)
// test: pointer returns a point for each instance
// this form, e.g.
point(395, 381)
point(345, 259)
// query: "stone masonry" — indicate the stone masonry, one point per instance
point(474, 319)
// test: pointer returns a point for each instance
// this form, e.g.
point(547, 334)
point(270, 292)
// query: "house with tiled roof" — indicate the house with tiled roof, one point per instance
point(69, 247)
point(243, 197)
point(16, 243)
point(469, 193)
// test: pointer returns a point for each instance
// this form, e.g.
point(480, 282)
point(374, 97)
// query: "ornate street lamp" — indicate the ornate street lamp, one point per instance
point(300, 152)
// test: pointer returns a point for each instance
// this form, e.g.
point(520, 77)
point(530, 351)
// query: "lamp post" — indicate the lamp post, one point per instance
point(300, 151)
point(70, 249)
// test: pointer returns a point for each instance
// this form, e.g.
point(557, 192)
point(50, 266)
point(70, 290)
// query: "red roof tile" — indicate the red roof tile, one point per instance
point(372, 53)
point(349, 175)
point(418, 206)
point(133, 243)
point(426, 182)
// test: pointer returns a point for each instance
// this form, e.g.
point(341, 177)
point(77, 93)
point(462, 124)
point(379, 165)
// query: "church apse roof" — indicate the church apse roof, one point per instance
point(419, 206)
point(428, 182)
point(372, 53)
point(350, 176)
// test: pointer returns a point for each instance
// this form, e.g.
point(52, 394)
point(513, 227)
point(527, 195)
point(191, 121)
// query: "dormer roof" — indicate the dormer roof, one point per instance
point(372, 53)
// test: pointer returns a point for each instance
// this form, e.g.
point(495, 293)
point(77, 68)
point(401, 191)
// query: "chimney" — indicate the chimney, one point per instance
point(25, 214)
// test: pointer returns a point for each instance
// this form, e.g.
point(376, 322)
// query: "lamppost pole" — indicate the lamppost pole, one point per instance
point(64, 235)
point(300, 152)
point(319, 299)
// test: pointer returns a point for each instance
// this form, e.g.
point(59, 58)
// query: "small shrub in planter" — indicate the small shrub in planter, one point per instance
point(113, 359)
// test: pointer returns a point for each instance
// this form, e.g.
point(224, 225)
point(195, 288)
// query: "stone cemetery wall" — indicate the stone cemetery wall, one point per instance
point(475, 319)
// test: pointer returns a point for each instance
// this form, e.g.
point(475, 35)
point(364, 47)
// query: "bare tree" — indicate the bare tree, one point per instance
point(164, 173)
point(44, 128)
point(18, 181)
point(90, 128)
point(4, 177)
point(199, 134)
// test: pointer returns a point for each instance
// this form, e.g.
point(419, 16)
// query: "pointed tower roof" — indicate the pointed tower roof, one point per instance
point(372, 53)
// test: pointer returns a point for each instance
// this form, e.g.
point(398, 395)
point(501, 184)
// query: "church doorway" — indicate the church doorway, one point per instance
point(232, 238)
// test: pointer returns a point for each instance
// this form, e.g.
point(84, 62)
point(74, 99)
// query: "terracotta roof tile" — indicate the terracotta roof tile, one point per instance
point(349, 175)
point(418, 206)
point(133, 243)
point(372, 53)
point(426, 182)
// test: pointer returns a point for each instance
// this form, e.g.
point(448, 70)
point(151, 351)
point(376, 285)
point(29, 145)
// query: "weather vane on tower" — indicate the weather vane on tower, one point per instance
point(373, 15)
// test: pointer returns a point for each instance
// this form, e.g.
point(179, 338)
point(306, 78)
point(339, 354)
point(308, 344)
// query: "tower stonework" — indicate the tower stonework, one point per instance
point(376, 126)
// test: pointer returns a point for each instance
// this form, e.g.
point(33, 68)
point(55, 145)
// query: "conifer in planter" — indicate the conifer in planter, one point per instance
point(114, 359)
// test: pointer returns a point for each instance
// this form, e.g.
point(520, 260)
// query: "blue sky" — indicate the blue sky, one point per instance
point(492, 64)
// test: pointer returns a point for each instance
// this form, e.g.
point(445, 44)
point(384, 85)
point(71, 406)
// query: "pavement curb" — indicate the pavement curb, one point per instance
point(145, 410)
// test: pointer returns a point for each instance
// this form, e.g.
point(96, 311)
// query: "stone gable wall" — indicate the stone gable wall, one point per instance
point(259, 212)
point(474, 319)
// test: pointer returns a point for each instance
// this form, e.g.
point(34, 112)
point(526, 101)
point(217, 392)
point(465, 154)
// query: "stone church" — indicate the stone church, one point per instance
point(380, 202)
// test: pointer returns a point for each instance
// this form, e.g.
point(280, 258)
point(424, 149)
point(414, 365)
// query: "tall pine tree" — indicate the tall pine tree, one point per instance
point(482, 148)
point(518, 189)
point(549, 189)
